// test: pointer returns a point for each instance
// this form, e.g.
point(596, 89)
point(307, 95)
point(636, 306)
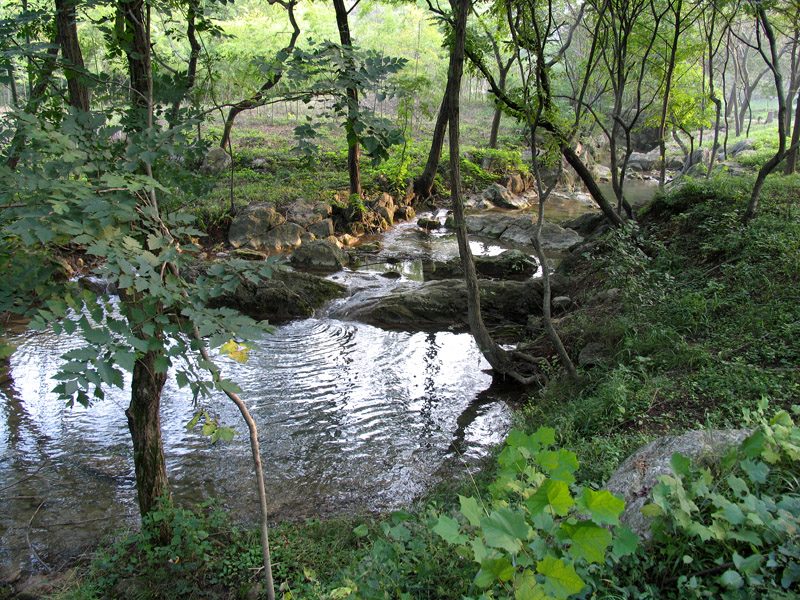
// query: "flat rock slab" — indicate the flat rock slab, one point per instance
point(511, 264)
point(442, 305)
point(636, 477)
point(520, 229)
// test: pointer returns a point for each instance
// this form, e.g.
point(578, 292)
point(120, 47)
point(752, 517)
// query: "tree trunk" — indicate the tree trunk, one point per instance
point(144, 424)
point(191, 66)
point(791, 157)
point(495, 131)
point(495, 355)
point(353, 142)
point(662, 129)
point(67, 34)
point(423, 186)
point(12, 83)
point(137, 50)
point(773, 62)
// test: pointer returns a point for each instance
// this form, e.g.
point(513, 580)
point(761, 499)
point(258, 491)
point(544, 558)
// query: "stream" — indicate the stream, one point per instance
point(351, 419)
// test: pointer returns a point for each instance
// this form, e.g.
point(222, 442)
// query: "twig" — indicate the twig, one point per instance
point(47, 567)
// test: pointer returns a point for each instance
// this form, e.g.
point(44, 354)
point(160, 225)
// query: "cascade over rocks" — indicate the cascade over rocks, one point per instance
point(635, 478)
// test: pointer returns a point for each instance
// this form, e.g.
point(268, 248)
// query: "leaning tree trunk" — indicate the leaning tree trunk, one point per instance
point(353, 143)
point(191, 66)
point(144, 424)
point(67, 33)
point(495, 355)
point(423, 186)
point(773, 63)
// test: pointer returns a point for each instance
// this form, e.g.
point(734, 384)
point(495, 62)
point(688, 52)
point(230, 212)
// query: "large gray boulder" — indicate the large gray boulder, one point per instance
point(322, 256)
point(282, 238)
point(635, 478)
point(306, 212)
point(215, 162)
point(385, 207)
point(511, 264)
point(285, 296)
point(520, 229)
point(251, 225)
point(501, 197)
point(442, 306)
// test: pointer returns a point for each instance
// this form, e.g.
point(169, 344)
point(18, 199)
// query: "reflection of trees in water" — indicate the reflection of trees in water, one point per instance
point(496, 393)
point(432, 366)
point(21, 426)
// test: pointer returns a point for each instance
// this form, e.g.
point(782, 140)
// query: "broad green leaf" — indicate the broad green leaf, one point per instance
point(561, 579)
point(527, 588)
point(553, 495)
point(494, 570)
point(471, 510)
point(757, 471)
point(588, 541)
point(361, 531)
point(448, 529)
point(731, 580)
point(559, 464)
point(681, 465)
point(625, 542)
point(505, 529)
point(604, 507)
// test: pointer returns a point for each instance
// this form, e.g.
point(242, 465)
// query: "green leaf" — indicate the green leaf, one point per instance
point(527, 588)
point(681, 465)
point(757, 471)
point(552, 494)
point(505, 529)
point(559, 464)
point(625, 542)
point(604, 507)
point(471, 510)
point(731, 580)
point(561, 579)
point(588, 541)
point(361, 531)
point(448, 529)
point(493, 570)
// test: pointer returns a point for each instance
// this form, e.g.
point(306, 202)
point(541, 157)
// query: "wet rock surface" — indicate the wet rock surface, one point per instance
point(510, 264)
point(442, 306)
point(287, 295)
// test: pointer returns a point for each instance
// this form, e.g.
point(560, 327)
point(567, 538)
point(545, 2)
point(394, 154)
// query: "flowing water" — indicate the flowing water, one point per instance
point(351, 419)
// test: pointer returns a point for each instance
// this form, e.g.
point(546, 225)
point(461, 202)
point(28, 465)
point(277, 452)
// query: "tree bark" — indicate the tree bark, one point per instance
point(353, 143)
point(144, 423)
point(773, 63)
point(137, 51)
point(67, 34)
point(791, 157)
point(662, 129)
point(191, 66)
point(423, 186)
point(495, 355)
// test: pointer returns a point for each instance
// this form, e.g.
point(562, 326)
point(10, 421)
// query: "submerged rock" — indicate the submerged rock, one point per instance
point(636, 477)
point(442, 306)
point(511, 264)
point(287, 295)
